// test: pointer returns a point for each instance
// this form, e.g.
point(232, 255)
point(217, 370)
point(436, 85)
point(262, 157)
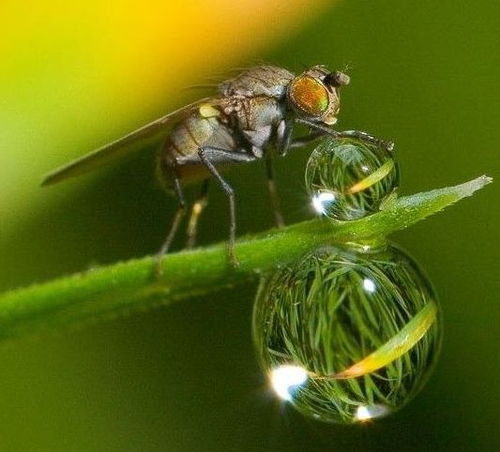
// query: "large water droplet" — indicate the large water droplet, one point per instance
point(345, 336)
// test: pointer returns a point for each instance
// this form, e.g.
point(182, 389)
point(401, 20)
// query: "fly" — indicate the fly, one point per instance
point(249, 116)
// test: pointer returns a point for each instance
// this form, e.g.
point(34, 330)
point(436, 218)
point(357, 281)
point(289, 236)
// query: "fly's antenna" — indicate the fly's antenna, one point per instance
point(347, 67)
point(336, 79)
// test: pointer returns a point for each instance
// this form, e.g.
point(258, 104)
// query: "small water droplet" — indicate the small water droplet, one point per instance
point(348, 179)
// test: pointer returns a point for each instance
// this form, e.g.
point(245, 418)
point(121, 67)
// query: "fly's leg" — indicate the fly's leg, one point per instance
point(206, 154)
point(181, 205)
point(306, 139)
point(196, 210)
point(389, 145)
point(284, 134)
point(273, 193)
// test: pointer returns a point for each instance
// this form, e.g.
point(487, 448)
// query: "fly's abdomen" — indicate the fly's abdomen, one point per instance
point(204, 126)
point(189, 135)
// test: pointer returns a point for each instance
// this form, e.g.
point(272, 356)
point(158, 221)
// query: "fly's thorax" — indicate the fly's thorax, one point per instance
point(259, 112)
point(268, 81)
point(256, 119)
point(314, 94)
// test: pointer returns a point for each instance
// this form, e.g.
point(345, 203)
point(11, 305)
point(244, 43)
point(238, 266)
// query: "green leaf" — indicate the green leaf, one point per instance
point(131, 286)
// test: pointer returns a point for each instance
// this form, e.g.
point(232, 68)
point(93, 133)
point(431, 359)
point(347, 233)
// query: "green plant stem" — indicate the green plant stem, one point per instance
point(131, 286)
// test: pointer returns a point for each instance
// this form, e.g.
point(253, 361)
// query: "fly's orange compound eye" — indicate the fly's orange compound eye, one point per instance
point(309, 95)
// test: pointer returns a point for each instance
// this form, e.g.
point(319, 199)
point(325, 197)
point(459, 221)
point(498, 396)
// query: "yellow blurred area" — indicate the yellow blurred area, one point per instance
point(76, 74)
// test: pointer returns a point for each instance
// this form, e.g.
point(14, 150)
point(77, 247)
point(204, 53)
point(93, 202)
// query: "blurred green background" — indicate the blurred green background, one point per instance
point(184, 378)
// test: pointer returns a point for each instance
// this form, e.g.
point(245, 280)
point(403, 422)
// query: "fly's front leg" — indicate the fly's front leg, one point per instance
point(172, 173)
point(389, 145)
point(198, 207)
point(284, 142)
point(306, 139)
point(284, 134)
point(209, 154)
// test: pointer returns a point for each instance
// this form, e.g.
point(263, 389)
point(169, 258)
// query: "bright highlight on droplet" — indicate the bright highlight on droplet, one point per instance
point(369, 285)
point(321, 200)
point(367, 412)
point(285, 379)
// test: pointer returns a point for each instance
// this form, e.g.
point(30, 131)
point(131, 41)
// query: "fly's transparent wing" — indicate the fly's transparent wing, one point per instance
point(116, 150)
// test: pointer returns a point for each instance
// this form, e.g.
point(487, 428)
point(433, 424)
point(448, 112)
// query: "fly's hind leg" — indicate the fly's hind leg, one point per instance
point(179, 213)
point(196, 210)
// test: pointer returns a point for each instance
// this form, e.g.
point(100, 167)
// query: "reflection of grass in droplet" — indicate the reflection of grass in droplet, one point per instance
point(360, 176)
point(373, 178)
point(318, 315)
point(396, 346)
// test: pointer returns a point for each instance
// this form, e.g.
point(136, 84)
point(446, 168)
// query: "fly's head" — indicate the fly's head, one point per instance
point(314, 94)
